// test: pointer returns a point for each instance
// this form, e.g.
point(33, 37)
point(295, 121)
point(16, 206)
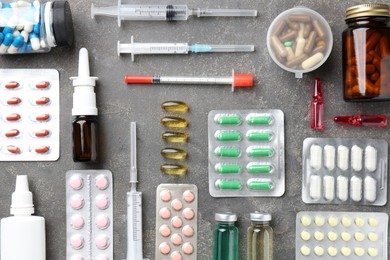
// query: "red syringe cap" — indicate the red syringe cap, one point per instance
point(242, 80)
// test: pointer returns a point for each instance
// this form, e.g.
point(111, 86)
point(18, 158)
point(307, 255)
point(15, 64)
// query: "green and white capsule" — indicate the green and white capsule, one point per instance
point(257, 151)
point(256, 136)
point(259, 119)
point(224, 168)
point(255, 167)
point(227, 119)
point(224, 135)
point(229, 152)
point(228, 184)
point(260, 184)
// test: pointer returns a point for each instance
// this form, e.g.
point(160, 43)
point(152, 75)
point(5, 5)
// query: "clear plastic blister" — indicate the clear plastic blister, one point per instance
point(345, 171)
point(89, 215)
point(29, 115)
point(246, 153)
point(341, 235)
point(176, 221)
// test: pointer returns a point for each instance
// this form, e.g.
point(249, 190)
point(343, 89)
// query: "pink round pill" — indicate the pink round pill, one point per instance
point(187, 248)
point(102, 257)
point(188, 213)
point(77, 242)
point(165, 231)
point(101, 182)
point(177, 222)
point(176, 256)
point(102, 201)
point(77, 221)
point(176, 239)
point(188, 231)
point(188, 196)
point(76, 182)
point(76, 201)
point(102, 241)
point(102, 221)
point(165, 213)
point(77, 257)
point(176, 204)
point(165, 195)
point(164, 248)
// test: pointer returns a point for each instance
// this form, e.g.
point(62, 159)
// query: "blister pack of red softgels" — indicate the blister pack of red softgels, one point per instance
point(29, 115)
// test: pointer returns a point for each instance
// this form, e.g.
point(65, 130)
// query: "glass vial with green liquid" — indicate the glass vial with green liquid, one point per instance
point(260, 236)
point(225, 237)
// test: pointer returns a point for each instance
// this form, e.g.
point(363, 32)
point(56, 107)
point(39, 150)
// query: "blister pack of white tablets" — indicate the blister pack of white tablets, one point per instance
point(29, 115)
point(345, 171)
point(246, 153)
point(176, 221)
point(341, 235)
point(89, 215)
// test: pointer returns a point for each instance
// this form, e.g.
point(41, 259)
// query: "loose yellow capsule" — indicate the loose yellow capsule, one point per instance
point(174, 153)
point(174, 169)
point(174, 121)
point(174, 137)
point(175, 106)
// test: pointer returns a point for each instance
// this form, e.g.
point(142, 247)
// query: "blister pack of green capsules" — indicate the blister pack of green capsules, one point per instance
point(246, 153)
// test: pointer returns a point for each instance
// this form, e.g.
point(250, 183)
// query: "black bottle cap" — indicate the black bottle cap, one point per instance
point(62, 23)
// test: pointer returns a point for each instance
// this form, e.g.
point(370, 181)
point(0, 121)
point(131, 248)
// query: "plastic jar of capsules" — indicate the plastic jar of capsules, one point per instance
point(366, 53)
point(33, 26)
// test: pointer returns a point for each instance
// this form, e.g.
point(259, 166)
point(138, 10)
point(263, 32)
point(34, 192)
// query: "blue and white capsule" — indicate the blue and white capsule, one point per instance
point(35, 42)
point(16, 44)
point(6, 43)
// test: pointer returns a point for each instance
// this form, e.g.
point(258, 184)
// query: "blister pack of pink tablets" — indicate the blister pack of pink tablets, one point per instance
point(176, 221)
point(29, 115)
point(89, 215)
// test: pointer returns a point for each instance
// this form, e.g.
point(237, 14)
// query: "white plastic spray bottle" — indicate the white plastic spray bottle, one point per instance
point(23, 235)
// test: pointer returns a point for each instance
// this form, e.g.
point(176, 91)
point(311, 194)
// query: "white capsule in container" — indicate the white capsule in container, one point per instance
point(305, 30)
point(355, 173)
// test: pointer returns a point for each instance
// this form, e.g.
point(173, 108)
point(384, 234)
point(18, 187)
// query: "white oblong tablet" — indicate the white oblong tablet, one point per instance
point(342, 188)
point(329, 157)
point(329, 191)
point(370, 189)
point(356, 158)
point(356, 188)
point(315, 187)
point(370, 158)
point(342, 157)
point(316, 156)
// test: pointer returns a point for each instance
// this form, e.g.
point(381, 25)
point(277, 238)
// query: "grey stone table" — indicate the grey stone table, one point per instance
point(119, 104)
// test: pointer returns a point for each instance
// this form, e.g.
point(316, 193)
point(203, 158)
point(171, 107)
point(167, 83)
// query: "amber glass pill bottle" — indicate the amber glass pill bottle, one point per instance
point(366, 53)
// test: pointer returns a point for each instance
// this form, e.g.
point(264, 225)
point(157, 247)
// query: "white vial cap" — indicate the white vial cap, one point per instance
point(22, 198)
point(84, 97)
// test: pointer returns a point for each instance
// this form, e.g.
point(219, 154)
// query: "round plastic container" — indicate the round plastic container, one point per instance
point(34, 26)
point(299, 40)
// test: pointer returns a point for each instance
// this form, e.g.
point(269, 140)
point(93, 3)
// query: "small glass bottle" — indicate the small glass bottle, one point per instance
point(366, 53)
point(85, 125)
point(32, 26)
point(260, 237)
point(225, 237)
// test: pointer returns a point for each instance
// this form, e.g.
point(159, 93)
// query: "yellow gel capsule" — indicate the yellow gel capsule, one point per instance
point(174, 137)
point(174, 121)
point(174, 153)
point(174, 169)
point(175, 106)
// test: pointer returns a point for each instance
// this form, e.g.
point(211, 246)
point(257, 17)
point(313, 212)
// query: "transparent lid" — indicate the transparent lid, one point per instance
point(226, 217)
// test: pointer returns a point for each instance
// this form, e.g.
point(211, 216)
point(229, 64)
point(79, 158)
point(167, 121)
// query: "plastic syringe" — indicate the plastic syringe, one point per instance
point(134, 204)
point(236, 80)
point(163, 12)
point(135, 48)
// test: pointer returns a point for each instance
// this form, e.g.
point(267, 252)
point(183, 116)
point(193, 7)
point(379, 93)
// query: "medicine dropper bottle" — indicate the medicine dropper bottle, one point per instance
point(225, 237)
point(23, 235)
point(33, 26)
point(260, 237)
point(85, 124)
